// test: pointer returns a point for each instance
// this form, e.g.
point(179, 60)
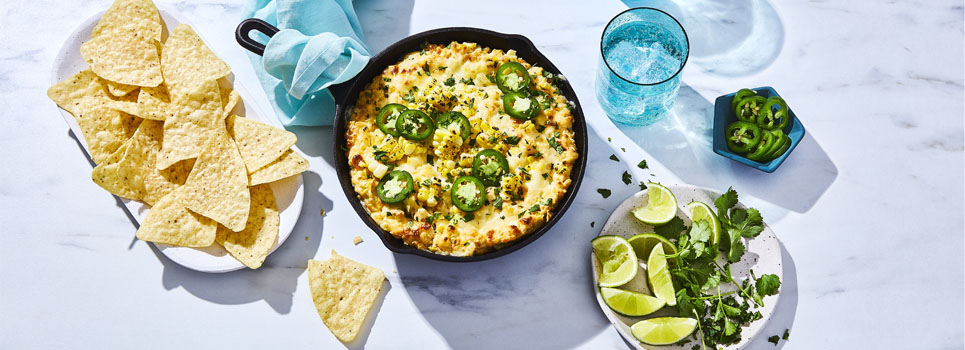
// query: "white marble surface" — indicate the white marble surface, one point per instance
point(869, 207)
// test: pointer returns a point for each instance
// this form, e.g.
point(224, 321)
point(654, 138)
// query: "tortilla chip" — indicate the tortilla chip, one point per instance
point(186, 61)
point(230, 101)
point(343, 291)
point(82, 91)
point(108, 176)
point(126, 17)
point(169, 222)
point(218, 186)
point(154, 103)
point(196, 116)
point(118, 89)
point(105, 129)
point(138, 165)
point(289, 164)
point(251, 245)
point(124, 59)
point(259, 143)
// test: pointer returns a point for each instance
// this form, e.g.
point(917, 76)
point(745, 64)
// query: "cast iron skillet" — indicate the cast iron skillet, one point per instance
point(347, 93)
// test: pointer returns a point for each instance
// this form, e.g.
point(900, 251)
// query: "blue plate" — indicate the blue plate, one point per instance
point(724, 115)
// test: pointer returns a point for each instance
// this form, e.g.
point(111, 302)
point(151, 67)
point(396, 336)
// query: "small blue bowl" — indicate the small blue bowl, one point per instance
point(724, 115)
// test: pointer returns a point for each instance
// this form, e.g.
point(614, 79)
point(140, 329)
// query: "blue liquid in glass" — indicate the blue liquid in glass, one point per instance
point(632, 82)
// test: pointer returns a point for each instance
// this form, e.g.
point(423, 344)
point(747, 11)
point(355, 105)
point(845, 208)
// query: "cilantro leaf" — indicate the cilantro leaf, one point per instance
point(614, 158)
point(768, 284)
point(736, 250)
point(642, 164)
point(626, 177)
point(774, 339)
point(747, 223)
point(643, 185)
point(671, 229)
point(605, 192)
point(700, 231)
point(787, 333)
point(725, 202)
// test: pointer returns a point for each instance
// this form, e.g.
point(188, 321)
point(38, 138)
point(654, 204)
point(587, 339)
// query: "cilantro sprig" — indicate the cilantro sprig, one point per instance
point(706, 288)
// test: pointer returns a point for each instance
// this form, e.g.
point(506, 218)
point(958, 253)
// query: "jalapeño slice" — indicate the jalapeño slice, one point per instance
point(740, 95)
point(742, 136)
point(512, 77)
point(748, 108)
point(468, 193)
point(388, 116)
point(520, 106)
point(394, 186)
point(762, 148)
point(414, 124)
point(489, 166)
point(773, 115)
point(780, 151)
point(455, 120)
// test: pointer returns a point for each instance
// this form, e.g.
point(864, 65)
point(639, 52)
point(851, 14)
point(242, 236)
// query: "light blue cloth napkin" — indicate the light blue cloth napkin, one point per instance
point(320, 44)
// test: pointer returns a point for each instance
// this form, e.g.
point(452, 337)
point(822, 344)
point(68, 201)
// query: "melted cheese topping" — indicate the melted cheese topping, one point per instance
point(459, 77)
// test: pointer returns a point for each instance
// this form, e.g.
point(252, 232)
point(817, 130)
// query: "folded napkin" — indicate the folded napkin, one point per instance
point(320, 44)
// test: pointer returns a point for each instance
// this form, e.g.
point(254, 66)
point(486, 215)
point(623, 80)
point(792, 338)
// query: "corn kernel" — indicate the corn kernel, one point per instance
point(380, 170)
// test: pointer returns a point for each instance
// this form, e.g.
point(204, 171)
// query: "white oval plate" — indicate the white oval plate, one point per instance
point(289, 193)
point(763, 255)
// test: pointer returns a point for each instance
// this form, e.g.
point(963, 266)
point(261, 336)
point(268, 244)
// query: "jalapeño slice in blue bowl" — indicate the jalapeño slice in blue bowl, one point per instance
point(520, 106)
point(468, 193)
point(489, 166)
point(415, 125)
point(460, 124)
point(388, 116)
point(394, 186)
point(512, 77)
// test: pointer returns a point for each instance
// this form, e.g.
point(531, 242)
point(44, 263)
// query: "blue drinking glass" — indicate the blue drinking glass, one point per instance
point(642, 52)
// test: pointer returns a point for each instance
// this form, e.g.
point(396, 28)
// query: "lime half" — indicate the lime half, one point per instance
point(700, 211)
point(630, 303)
point(663, 330)
point(658, 276)
point(617, 260)
point(661, 206)
point(643, 244)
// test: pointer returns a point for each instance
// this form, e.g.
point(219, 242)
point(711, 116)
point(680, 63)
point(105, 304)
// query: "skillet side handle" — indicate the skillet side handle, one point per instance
point(243, 34)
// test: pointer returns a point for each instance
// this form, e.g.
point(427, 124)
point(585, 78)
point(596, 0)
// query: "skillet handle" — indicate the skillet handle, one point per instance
point(243, 34)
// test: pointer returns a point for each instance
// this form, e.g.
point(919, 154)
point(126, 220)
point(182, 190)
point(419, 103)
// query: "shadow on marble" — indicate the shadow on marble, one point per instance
point(540, 296)
point(722, 39)
point(275, 282)
point(682, 142)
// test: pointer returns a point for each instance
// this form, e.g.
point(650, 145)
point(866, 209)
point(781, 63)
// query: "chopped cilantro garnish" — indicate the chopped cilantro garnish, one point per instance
point(498, 203)
point(787, 333)
point(643, 185)
point(534, 208)
point(450, 82)
point(614, 158)
point(626, 177)
point(774, 339)
point(642, 164)
point(425, 67)
point(605, 192)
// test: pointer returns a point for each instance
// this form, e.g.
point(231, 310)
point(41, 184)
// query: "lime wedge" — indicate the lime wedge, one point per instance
point(643, 244)
point(658, 276)
point(700, 211)
point(663, 330)
point(661, 206)
point(618, 262)
point(630, 303)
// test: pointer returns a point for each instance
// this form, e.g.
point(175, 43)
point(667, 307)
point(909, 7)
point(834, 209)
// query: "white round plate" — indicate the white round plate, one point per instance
point(289, 193)
point(763, 255)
